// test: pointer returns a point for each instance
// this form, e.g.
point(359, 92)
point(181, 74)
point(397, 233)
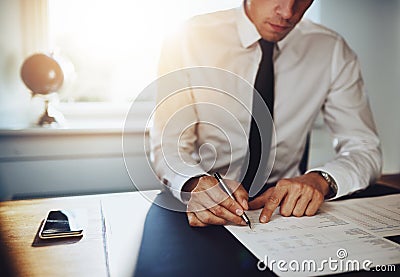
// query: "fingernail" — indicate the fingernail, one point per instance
point(244, 204)
point(263, 219)
point(239, 212)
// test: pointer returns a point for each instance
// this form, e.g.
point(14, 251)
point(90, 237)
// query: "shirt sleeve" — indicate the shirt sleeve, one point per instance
point(173, 133)
point(347, 114)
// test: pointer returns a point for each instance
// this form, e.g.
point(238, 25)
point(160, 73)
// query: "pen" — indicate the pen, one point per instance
point(227, 190)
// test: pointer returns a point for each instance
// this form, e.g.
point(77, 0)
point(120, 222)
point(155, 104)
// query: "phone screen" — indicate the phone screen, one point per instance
point(60, 223)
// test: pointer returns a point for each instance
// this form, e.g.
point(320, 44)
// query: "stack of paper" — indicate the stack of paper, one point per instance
point(344, 236)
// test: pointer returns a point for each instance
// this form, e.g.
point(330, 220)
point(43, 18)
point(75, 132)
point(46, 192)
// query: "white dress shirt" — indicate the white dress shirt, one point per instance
point(315, 71)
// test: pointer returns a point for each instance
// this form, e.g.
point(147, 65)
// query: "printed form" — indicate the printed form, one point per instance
point(380, 215)
point(343, 236)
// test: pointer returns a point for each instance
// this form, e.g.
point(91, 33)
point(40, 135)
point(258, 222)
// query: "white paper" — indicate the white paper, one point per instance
point(379, 215)
point(125, 215)
point(323, 244)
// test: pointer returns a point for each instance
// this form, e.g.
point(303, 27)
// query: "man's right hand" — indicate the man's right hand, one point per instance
point(210, 205)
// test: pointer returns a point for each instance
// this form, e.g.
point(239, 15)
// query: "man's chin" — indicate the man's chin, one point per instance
point(274, 36)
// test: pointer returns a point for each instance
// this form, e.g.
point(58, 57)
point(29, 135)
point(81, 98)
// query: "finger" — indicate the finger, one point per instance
point(259, 201)
point(218, 210)
point(194, 221)
point(200, 201)
point(290, 201)
point(314, 204)
point(241, 196)
point(194, 206)
point(207, 217)
point(232, 206)
point(225, 214)
point(301, 205)
point(272, 202)
point(222, 198)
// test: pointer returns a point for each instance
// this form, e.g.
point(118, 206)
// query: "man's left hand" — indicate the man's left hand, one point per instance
point(298, 196)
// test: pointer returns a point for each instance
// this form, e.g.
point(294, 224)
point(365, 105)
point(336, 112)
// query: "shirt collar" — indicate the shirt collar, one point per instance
point(248, 33)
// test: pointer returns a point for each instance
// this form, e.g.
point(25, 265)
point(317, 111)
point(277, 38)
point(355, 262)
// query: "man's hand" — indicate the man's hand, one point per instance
point(210, 205)
point(302, 195)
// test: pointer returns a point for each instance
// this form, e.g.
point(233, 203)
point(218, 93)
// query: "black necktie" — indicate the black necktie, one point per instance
point(264, 85)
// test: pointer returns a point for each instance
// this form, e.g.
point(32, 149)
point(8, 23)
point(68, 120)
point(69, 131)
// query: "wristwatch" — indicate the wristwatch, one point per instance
point(333, 188)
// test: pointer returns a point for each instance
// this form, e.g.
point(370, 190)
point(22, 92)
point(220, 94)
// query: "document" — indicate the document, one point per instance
point(379, 215)
point(330, 242)
point(124, 218)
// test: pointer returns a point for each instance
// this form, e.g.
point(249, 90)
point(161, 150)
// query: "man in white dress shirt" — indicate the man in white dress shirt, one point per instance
point(314, 70)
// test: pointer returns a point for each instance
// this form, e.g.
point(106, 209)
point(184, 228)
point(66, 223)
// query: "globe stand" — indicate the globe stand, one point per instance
point(51, 117)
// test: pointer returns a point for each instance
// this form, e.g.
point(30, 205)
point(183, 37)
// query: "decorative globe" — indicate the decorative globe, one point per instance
point(42, 74)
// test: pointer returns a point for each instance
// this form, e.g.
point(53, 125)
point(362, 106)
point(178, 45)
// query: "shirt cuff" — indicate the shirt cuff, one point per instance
point(177, 183)
point(337, 178)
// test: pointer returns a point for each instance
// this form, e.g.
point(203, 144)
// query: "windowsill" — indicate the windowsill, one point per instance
point(100, 118)
point(91, 118)
point(93, 130)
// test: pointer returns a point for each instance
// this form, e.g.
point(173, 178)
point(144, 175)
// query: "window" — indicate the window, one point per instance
point(114, 45)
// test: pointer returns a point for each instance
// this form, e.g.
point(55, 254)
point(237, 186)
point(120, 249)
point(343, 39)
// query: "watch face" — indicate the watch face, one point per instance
point(332, 185)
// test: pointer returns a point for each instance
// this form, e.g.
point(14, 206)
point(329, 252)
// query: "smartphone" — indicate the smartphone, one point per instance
point(60, 224)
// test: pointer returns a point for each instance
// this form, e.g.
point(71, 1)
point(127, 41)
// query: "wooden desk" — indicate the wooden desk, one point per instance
point(110, 245)
point(89, 256)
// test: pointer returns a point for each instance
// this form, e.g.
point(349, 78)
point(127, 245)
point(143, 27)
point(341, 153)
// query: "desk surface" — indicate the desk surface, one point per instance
point(19, 225)
point(113, 238)
point(108, 247)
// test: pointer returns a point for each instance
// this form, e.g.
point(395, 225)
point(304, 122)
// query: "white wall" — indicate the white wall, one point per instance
point(14, 98)
point(372, 29)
